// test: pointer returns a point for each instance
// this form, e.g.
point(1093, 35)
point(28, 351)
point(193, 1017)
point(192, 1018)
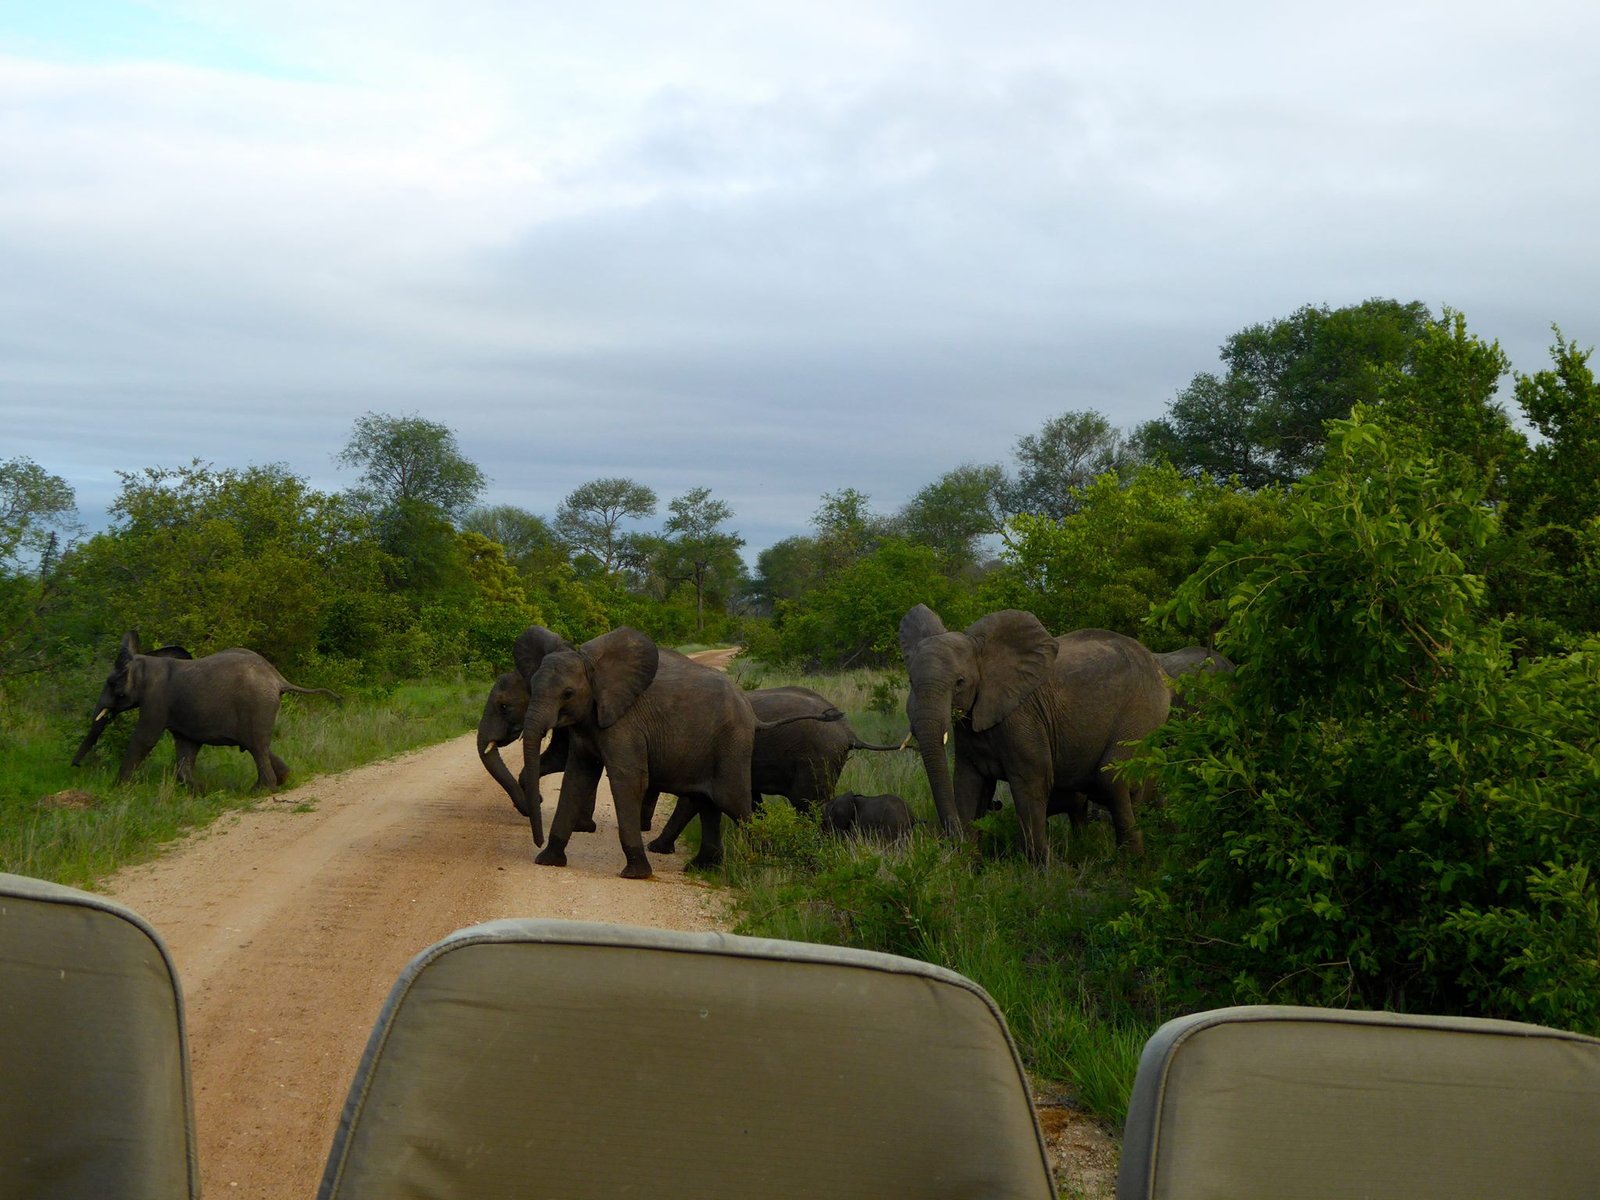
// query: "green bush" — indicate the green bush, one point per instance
point(1381, 808)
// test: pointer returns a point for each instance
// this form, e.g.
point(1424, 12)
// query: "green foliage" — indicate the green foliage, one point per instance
point(1125, 548)
point(1263, 420)
point(954, 514)
point(699, 552)
point(590, 519)
point(1380, 803)
point(853, 617)
point(410, 461)
point(1055, 464)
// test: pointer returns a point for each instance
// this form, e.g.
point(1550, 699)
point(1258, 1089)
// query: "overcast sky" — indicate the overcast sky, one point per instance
point(773, 248)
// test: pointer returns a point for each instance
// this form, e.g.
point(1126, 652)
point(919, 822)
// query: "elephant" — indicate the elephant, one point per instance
point(655, 721)
point(1051, 716)
point(800, 761)
point(229, 698)
point(1191, 660)
point(886, 816)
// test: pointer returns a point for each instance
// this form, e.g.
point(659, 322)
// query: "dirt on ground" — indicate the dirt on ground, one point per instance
point(289, 922)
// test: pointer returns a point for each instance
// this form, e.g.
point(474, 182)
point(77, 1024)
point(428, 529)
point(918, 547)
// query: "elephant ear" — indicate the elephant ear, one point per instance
point(1015, 652)
point(128, 650)
point(916, 627)
point(622, 664)
point(532, 644)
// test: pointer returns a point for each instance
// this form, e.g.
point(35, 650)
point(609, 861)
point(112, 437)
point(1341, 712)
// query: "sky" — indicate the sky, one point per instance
point(767, 247)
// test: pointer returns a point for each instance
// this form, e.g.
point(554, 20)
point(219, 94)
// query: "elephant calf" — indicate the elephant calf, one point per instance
point(229, 698)
point(886, 816)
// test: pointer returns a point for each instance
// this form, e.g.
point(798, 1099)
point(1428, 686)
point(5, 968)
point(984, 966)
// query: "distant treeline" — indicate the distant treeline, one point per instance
point(405, 573)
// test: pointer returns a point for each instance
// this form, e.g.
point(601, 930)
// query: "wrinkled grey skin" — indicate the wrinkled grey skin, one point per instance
point(229, 698)
point(655, 722)
point(800, 761)
point(886, 816)
point(1051, 716)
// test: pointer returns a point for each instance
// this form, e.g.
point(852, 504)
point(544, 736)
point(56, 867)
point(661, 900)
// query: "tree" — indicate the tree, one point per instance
point(590, 517)
point(1381, 808)
point(1263, 418)
point(531, 545)
point(1065, 454)
point(411, 461)
point(954, 513)
point(846, 528)
point(702, 553)
point(35, 509)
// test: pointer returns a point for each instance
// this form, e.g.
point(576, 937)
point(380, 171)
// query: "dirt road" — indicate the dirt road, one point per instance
point(288, 926)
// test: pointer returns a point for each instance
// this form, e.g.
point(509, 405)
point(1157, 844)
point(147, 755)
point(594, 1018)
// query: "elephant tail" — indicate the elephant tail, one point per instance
point(827, 714)
point(858, 744)
point(305, 691)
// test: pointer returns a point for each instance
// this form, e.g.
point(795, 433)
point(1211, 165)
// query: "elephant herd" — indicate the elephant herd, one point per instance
point(1051, 716)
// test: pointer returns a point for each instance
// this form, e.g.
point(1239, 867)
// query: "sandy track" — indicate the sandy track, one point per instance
point(288, 927)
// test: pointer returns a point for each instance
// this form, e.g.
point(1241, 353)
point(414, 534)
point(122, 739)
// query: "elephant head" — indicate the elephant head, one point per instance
point(592, 686)
point(124, 688)
point(974, 678)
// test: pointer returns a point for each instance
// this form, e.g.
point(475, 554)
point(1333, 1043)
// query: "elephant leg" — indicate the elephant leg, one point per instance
point(647, 810)
point(578, 787)
point(627, 795)
point(583, 820)
point(1032, 801)
point(145, 736)
point(973, 791)
point(666, 841)
point(1116, 796)
point(710, 855)
point(280, 767)
point(186, 752)
point(266, 773)
point(985, 802)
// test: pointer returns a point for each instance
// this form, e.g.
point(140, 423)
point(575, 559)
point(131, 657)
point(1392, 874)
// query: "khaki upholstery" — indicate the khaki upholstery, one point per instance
point(549, 1058)
point(1304, 1102)
point(94, 1082)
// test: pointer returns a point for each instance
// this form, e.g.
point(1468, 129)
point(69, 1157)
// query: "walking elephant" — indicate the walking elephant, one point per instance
point(229, 698)
point(655, 721)
point(800, 761)
point(1051, 716)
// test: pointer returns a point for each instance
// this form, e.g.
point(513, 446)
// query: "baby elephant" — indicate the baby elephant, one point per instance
point(886, 816)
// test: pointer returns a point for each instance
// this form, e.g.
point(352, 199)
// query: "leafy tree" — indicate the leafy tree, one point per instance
point(590, 518)
point(698, 550)
point(410, 462)
point(787, 570)
point(1380, 808)
point(35, 509)
point(1127, 546)
point(1262, 420)
point(955, 513)
point(847, 528)
point(1068, 452)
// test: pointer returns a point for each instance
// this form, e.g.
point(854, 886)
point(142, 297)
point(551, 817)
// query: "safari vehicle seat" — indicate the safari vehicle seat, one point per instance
point(1275, 1101)
point(534, 1057)
point(94, 1066)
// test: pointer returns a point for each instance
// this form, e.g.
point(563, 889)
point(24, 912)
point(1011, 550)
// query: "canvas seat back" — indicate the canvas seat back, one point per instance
point(1279, 1101)
point(94, 1076)
point(569, 1059)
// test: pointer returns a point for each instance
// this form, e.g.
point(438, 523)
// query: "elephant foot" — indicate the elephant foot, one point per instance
point(637, 868)
point(661, 846)
point(553, 855)
point(706, 862)
point(584, 825)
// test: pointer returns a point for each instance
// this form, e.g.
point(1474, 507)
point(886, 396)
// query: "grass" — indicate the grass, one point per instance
point(75, 825)
point(1037, 941)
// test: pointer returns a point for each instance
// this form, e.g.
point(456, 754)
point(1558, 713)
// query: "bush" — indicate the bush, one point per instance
point(1381, 808)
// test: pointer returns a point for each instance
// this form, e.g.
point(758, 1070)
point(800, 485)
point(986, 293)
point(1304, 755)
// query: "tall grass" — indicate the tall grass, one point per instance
point(74, 826)
point(1037, 941)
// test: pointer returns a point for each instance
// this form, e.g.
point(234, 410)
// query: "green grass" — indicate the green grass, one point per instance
point(1037, 941)
point(75, 825)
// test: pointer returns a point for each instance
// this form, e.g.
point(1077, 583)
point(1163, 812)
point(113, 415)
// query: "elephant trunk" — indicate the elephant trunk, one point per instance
point(489, 755)
point(930, 725)
point(534, 730)
point(102, 719)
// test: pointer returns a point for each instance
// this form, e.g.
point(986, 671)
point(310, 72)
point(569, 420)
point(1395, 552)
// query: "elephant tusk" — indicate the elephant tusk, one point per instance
point(946, 739)
point(906, 742)
point(491, 744)
point(102, 714)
